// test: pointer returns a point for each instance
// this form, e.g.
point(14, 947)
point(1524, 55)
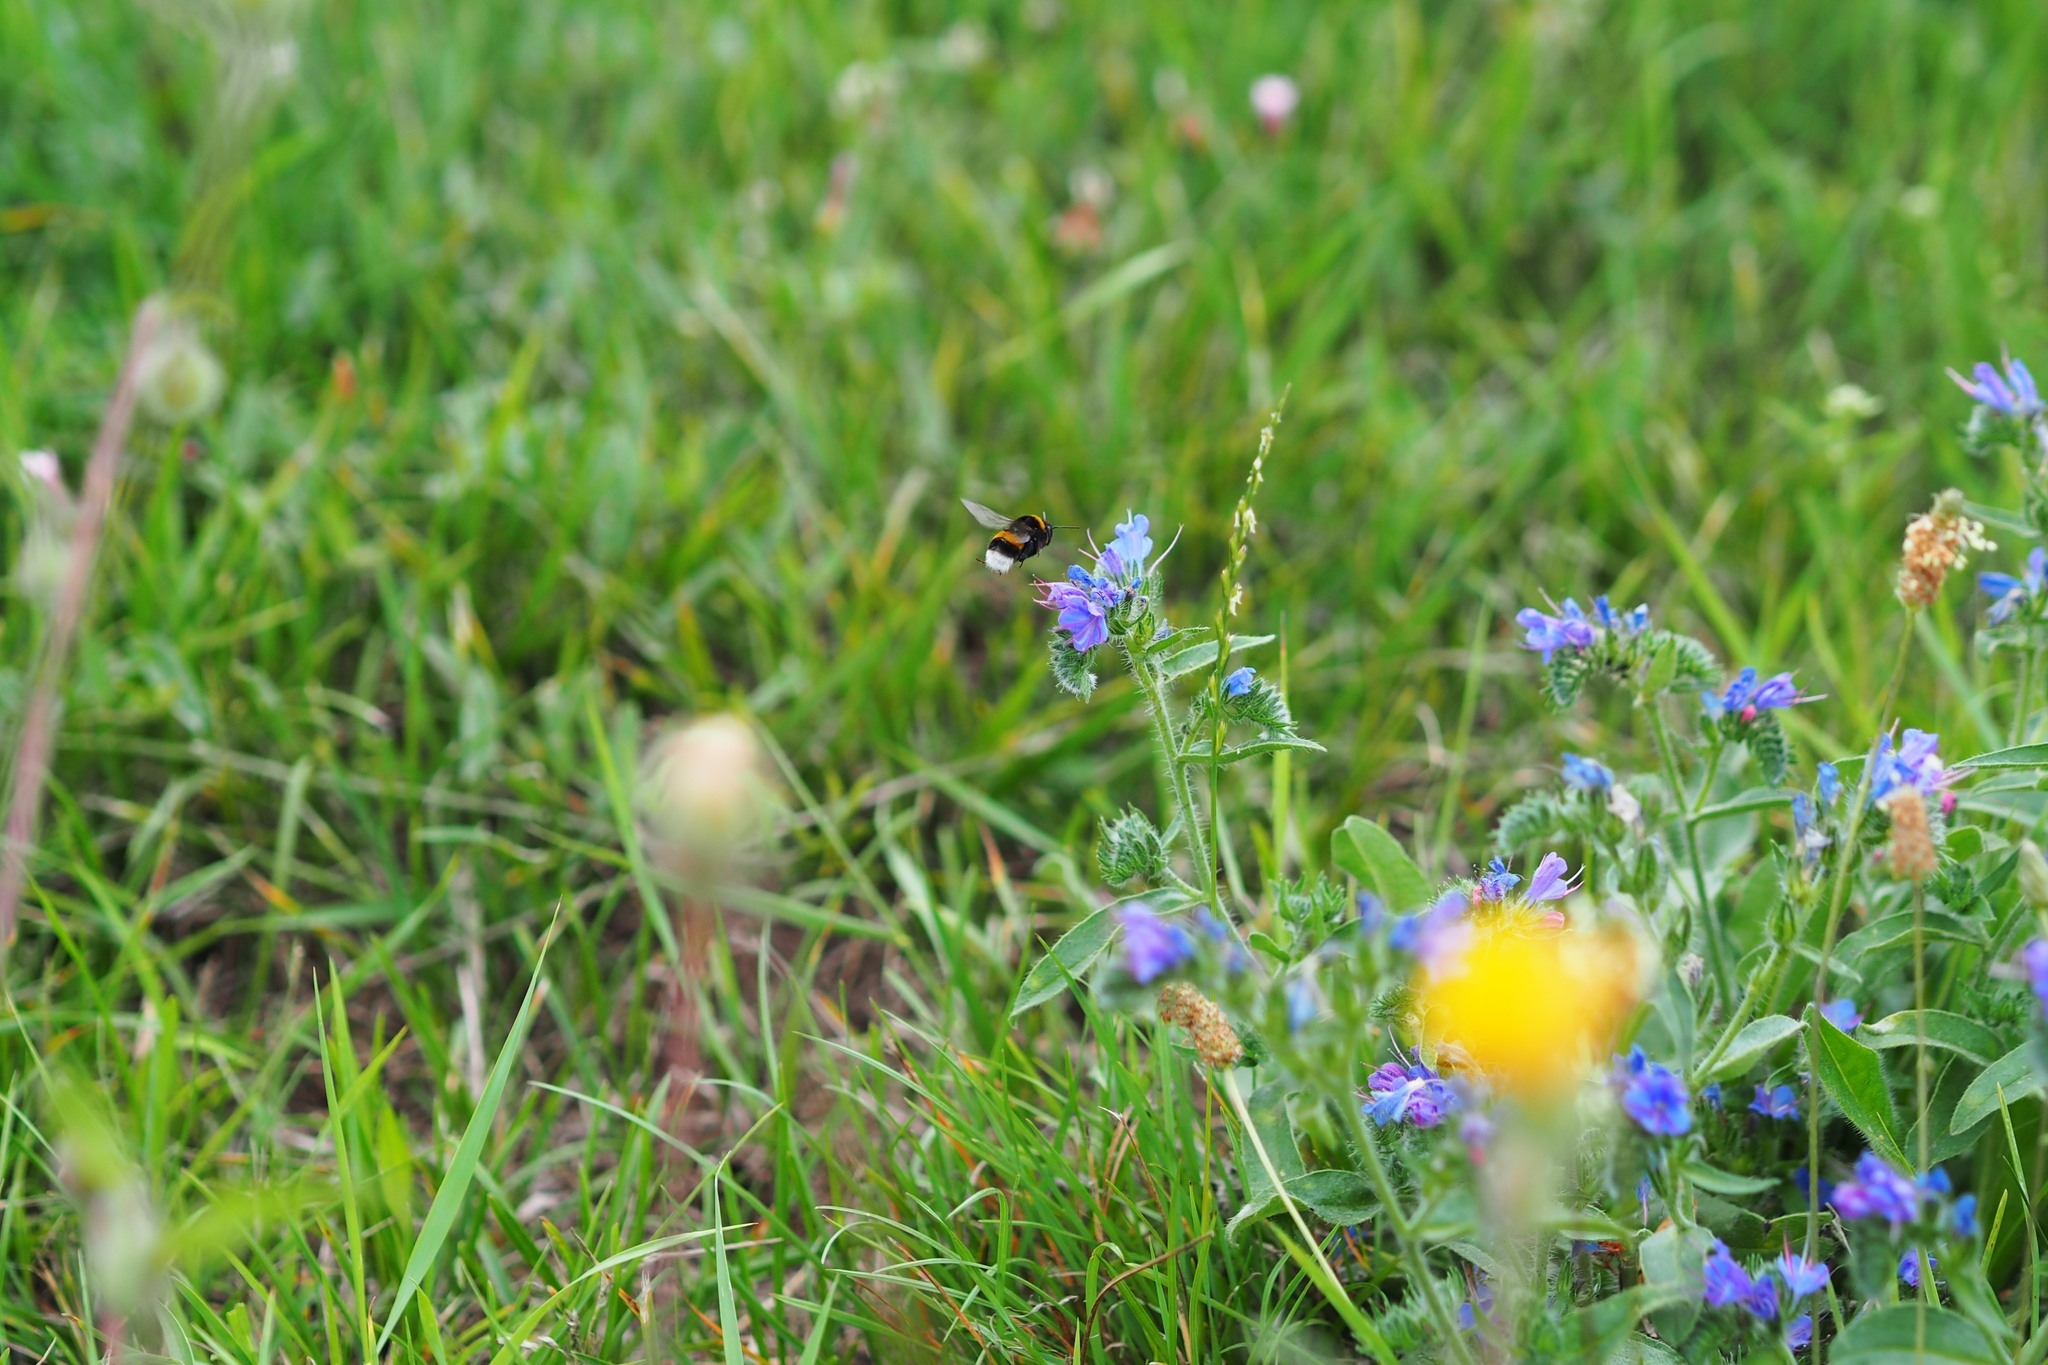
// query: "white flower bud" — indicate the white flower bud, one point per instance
point(705, 793)
point(178, 378)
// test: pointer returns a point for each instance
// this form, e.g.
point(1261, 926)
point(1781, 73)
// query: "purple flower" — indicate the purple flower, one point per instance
point(1496, 882)
point(1802, 1180)
point(1781, 1103)
point(1303, 1004)
point(1877, 1191)
point(1801, 1276)
point(1550, 882)
point(2034, 957)
point(1761, 1302)
point(1912, 764)
point(1372, 912)
point(1799, 1332)
point(1962, 1219)
point(1128, 550)
point(1409, 1094)
point(1083, 602)
point(1482, 1299)
point(1217, 932)
point(1711, 1094)
point(1548, 634)
point(1806, 836)
point(2010, 395)
point(1746, 698)
point(1152, 946)
point(1653, 1095)
point(1827, 783)
point(1842, 1013)
point(2009, 594)
point(1238, 682)
point(1724, 1279)
point(1586, 774)
point(1475, 1130)
point(1622, 623)
point(1909, 1266)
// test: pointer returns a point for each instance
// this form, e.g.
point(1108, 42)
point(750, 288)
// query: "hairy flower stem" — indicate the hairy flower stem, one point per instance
point(1707, 929)
point(1838, 897)
point(1185, 810)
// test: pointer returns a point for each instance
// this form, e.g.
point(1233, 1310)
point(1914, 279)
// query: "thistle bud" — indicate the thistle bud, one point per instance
point(1130, 848)
point(1215, 1041)
point(178, 380)
point(1937, 541)
point(1910, 855)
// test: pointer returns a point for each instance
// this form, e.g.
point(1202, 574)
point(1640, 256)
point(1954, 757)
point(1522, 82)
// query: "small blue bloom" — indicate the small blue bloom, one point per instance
point(2010, 395)
point(2009, 594)
point(1413, 1094)
point(1806, 836)
point(1152, 946)
point(1877, 1191)
point(1936, 1181)
point(1761, 1302)
point(1914, 763)
point(1548, 634)
point(2034, 957)
point(1711, 1094)
point(1238, 682)
point(1586, 774)
point(1622, 623)
point(1217, 932)
point(1372, 912)
point(1303, 1004)
point(1842, 1013)
point(1482, 1299)
point(1799, 1332)
point(1724, 1279)
point(1127, 552)
point(1551, 880)
point(1801, 1276)
point(1746, 698)
point(1497, 882)
point(1781, 1103)
point(1802, 1180)
point(1909, 1267)
point(1653, 1095)
point(1434, 935)
point(1827, 783)
point(1962, 1219)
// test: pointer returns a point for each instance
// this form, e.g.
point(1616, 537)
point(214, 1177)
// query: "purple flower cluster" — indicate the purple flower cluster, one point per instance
point(1570, 628)
point(1551, 881)
point(1914, 763)
point(1409, 1093)
point(2009, 594)
point(1083, 602)
point(1152, 946)
point(1436, 937)
point(1125, 558)
point(2011, 394)
point(1746, 698)
point(1726, 1283)
point(1877, 1191)
point(1801, 1276)
point(1653, 1094)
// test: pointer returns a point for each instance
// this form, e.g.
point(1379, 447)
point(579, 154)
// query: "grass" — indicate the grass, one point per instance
point(566, 396)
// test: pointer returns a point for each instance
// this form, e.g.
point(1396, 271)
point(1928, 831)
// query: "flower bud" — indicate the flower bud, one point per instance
point(1130, 848)
point(1274, 100)
point(178, 379)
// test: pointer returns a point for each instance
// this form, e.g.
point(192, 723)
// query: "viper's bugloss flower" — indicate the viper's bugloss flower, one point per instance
point(1238, 682)
point(1781, 1103)
point(1842, 1013)
point(1711, 1095)
point(1083, 602)
point(1304, 1003)
point(1909, 1267)
point(1586, 774)
point(1622, 623)
point(1496, 882)
point(1802, 1180)
point(1482, 1300)
point(1128, 550)
point(1548, 634)
point(1914, 763)
point(1799, 1332)
point(1935, 1181)
point(1801, 1276)
point(1724, 1279)
point(1152, 946)
point(1436, 936)
point(1372, 912)
point(1761, 1302)
point(1652, 1094)
point(1877, 1191)
point(2034, 957)
point(2011, 394)
point(1552, 880)
point(1962, 1219)
point(1409, 1093)
point(1745, 698)
point(1806, 836)
point(1827, 783)
point(1217, 932)
point(2007, 593)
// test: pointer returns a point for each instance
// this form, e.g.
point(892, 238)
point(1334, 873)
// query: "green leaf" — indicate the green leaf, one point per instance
point(1069, 665)
point(1663, 670)
point(1268, 1109)
point(1714, 1180)
point(1891, 1336)
point(1370, 854)
point(1344, 1198)
point(1068, 959)
point(440, 1219)
point(1746, 803)
point(2013, 1073)
point(2021, 756)
point(1600, 1326)
point(1893, 930)
point(1199, 656)
point(1854, 1078)
point(1750, 1046)
point(1945, 1031)
point(1238, 753)
point(1673, 1259)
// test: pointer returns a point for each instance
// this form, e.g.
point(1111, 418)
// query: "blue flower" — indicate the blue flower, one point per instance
point(1551, 881)
point(1877, 1191)
point(1802, 1180)
point(1806, 836)
point(1125, 558)
point(1548, 634)
point(1781, 1103)
point(1962, 1219)
point(2009, 594)
point(1482, 1298)
point(1413, 1094)
point(1711, 1094)
point(1152, 946)
point(1801, 1276)
point(1746, 698)
point(1083, 602)
point(1238, 682)
point(1935, 1181)
point(1217, 932)
point(1653, 1095)
point(1724, 1280)
point(2034, 957)
point(1622, 623)
point(1827, 783)
point(1909, 1267)
point(1303, 1004)
point(1586, 774)
point(1761, 1302)
point(1842, 1013)
point(1799, 1332)
point(2010, 395)
point(1372, 912)
point(1497, 882)
point(1912, 764)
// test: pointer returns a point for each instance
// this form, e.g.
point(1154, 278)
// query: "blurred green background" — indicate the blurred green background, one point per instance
point(628, 360)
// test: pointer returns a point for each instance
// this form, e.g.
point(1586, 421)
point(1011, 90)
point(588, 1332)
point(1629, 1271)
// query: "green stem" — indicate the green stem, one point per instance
point(1183, 797)
point(1707, 927)
point(2025, 695)
point(1742, 1011)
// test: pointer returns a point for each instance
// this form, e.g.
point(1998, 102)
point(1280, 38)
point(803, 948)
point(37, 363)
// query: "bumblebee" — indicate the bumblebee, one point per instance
point(1016, 539)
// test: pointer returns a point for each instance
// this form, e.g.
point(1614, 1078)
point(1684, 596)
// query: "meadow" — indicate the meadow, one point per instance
point(589, 367)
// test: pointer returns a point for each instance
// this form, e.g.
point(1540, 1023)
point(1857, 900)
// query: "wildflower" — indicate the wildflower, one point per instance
point(1586, 774)
point(1551, 881)
point(2009, 395)
point(1497, 882)
point(1530, 1008)
point(1877, 1191)
point(1475, 1130)
point(1548, 634)
point(1653, 1095)
point(1842, 1013)
point(1217, 932)
point(1746, 698)
point(1372, 912)
point(1724, 1279)
point(2034, 957)
point(1152, 946)
point(1914, 763)
point(1962, 1219)
point(1761, 1302)
point(178, 379)
point(1436, 936)
point(706, 794)
point(1801, 1276)
point(2009, 594)
point(1910, 854)
point(1622, 623)
point(1936, 541)
point(1802, 1180)
point(1274, 100)
point(1128, 550)
point(1413, 1094)
point(1781, 1103)
point(1083, 602)
point(1799, 1332)
point(1806, 835)
point(1909, 1267)
point(1935, 1181)
point(1711, 1095)
point(1827, 783)
point(1303, 1004)
point(1238, 682)
point(1215, 1041)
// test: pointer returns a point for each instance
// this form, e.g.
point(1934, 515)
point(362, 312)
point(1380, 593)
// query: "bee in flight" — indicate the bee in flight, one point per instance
point(1016, 539)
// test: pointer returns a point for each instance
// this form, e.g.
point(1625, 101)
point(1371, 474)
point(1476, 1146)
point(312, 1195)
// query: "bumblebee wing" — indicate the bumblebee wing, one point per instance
point(995, 521)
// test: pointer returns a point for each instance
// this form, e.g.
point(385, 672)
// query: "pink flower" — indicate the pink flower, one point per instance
point(1274, 100)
